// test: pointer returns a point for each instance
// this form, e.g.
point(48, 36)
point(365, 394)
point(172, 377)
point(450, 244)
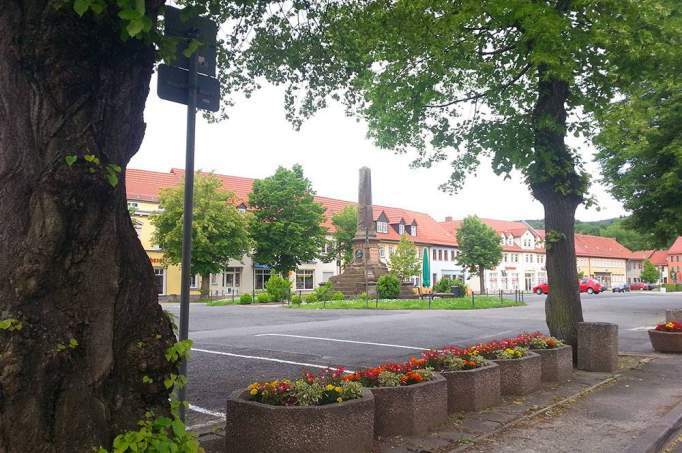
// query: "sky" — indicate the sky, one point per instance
point(331, 147)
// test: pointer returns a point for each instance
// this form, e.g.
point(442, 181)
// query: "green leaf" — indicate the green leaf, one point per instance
point(112, 178)
point(81, 6)
point(134, 27)
point(129, 14)
point(73, 343)
point(71, 159)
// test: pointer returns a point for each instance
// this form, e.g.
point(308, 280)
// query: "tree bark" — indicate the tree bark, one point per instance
point(205, 285)
point(556, 183)
point(481, 278)
point(71, 264)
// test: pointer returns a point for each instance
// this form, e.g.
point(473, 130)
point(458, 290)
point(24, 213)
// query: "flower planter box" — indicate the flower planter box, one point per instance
point(410, 409)
point(262, 428)
point(557, 363)
point(520, 376)
point(666, 341)
point(473, 390)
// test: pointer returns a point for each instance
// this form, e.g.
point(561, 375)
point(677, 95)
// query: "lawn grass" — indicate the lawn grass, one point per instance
point(462, 303)
point(221, 302)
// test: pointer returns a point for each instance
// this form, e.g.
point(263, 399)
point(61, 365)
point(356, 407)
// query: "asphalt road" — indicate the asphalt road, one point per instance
point(236, 345)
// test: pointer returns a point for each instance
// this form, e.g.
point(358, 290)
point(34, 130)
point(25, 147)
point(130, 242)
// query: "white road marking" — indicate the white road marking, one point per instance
point(342, 341)
point(269, 359)
point(642, 328)
point(201, 410)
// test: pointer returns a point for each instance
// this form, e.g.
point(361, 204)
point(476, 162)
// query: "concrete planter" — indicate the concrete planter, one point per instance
point(520, 376)
point(261, 428)
point(473, 390)
point(557, 363)
point(666, 341)
point(410, 409)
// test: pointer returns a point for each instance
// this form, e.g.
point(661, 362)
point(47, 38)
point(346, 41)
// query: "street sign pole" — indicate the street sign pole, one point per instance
point(187, 219)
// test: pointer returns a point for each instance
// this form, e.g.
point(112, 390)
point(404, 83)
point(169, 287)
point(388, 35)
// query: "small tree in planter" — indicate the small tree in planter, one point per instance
point(408, 398)
point(473, 382)
point(295, 416)
point(667, 337)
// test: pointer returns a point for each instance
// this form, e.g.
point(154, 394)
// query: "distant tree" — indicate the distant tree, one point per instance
point(345, 223)
point(219, 231)
point(404, 262)
point(649, 272)
point(479, 247)
point(287, 222)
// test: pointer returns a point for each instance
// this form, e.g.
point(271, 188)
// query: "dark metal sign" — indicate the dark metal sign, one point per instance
point(173, 85)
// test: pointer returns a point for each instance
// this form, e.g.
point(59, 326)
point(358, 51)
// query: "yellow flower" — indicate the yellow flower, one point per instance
point(253, 392)
point(509, 351)
point(338, 389)
point(339, 399)
point(329, 387)
point(670, 325)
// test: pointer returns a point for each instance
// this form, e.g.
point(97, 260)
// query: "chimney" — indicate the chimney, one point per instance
point(448, 218)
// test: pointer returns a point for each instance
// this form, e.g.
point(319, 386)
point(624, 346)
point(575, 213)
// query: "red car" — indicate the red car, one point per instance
point(587, 285)
point(638, 286)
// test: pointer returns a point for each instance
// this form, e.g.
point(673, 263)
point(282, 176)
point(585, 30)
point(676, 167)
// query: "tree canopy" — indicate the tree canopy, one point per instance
point(287, 222)
point(479, 247)
point(404, 261)
point(345, 224)
point(650, 273)
point(219, 231)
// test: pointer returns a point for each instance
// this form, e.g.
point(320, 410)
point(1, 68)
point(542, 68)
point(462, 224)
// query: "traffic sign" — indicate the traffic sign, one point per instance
point(173, 85)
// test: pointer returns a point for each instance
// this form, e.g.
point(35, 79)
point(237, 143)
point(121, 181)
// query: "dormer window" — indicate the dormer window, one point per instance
point(382, 227)
point(413, 230)
point(401, 229)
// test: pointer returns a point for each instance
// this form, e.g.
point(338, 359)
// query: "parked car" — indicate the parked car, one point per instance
point(587, 285)
point(591, 286)
point(624, 288)
point(650, 286)
point(637, 286)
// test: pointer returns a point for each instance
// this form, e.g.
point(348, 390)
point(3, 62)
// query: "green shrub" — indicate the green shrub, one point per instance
point(245, 299)
point(323, 292)
point(296, 299)
point(264, 298)
point(310, 298)
point(673, 287)
point(444, 285)
point(363, 296)
point(338, 295)
point(388, 286)
point(278, 288)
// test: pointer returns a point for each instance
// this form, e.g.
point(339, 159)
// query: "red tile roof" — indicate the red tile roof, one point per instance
point(676, 248)
point(600, 247)
point(641, 254)
point(145, 185)
point(515, 229)
point(659, 258)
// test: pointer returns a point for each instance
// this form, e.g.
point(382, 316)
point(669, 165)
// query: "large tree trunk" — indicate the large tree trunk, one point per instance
point(71, 264)
point(205, 285)
point(558, 186)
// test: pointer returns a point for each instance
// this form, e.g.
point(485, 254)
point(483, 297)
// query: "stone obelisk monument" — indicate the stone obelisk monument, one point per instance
point(366, 267)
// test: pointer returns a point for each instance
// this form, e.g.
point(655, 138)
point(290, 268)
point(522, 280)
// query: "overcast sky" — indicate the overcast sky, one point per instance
point(331, 147)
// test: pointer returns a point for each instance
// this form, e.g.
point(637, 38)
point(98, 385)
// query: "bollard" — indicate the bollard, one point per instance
point(473, 298)
point(500, 296)
point(598, 346)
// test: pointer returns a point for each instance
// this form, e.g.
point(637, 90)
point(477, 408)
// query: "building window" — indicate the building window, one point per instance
point(382, 227)
point(391, 250)
point(382, 252)
point(506, 257)
point(261, 277)
point(440, 255)
point(214, 279)
point(159, 278)
point(452, 255)
point(413, 230)
point(401, 229)
point(435, 255)
point(304, 278)
point(193, 281)
point(232, 277)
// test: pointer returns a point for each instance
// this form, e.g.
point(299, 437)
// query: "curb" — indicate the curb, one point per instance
point(654, 438)
point(511, 424)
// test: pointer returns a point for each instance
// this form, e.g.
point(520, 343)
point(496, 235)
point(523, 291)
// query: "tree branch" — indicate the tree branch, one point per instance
point(476, 96)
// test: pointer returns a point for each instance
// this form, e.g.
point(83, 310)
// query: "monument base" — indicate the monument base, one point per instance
point(352, 281)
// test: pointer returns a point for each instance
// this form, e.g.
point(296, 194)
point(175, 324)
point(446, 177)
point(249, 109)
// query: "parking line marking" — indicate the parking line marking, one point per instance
point(269, 359)
point(341, 341)
point(201, 410)
point(636, 329)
